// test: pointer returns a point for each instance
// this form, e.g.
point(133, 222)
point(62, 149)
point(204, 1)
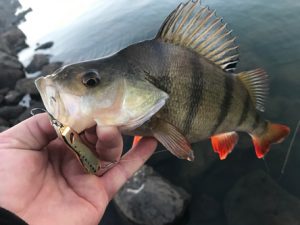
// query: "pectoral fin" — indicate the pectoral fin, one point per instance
point(171, 138)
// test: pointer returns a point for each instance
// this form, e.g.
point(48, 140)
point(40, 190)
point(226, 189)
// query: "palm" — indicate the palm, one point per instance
point(49, 186)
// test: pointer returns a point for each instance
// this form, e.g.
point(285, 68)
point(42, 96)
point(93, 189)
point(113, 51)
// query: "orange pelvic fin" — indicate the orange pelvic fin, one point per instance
point(275, 133)
point(136, 140)
point(223, 144)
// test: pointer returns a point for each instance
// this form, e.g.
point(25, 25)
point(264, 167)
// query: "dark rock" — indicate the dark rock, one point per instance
point(21, 16)
point(46, 45)
point(149, 199)
point(11, 70)
point(15, 39)
point(10, 61)
point(50, 68)
point(257, 199)
point(27, 86)
point(1, 99)
point(4, 46)
point(11, 112)
point(13, 97)
point(7, 13)
point(4, 122)
point(27, 113)
point(3, 128)
point(209, 208)
point(4, 91)
point(37, 63)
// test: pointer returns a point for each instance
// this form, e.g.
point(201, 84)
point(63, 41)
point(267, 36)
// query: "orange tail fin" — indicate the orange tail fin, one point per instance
point(136, 140)
point(275, 133)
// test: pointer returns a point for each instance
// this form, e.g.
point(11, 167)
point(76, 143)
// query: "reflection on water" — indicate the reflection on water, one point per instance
point(269, 36)
point(106, 28)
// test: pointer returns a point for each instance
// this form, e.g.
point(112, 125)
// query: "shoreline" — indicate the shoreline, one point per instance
point(18, 94)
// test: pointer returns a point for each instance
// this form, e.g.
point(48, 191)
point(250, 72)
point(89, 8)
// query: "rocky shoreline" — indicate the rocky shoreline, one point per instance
point(18, 94)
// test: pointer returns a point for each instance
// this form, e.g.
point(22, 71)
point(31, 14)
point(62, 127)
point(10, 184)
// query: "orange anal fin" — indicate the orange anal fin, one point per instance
point(136, 140)
point(275, 133)
point(223, 144)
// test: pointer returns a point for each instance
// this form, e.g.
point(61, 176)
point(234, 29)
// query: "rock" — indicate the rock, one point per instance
point(27, 113)
point(4, 91)
point(4, 122)
point(11, 70)
point(3, 128)
point(257, 199)
point(50, 68)
point(149, 199)
point(4, 46)
point(37, 63)
point(27, 86)
point(46, 45)
point(1, 99)
point(13, 97)
point(209, 208)
point(7, 13)
point(15, 39)
point(11, 112)
point(23, 116)
point(20, 17)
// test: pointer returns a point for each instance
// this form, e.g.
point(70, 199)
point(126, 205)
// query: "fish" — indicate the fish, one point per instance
point(180, 87)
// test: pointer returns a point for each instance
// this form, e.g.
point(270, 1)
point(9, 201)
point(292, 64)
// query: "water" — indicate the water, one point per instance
point(269, 36)
point(106, 28)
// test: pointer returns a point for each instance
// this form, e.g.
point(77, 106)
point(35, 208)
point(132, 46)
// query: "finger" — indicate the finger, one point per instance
point(34, 134)
point(115, 178)
point(91, 135)
point(110, 144)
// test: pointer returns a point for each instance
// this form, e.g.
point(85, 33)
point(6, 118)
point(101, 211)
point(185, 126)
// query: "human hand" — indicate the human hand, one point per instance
point(42, 182)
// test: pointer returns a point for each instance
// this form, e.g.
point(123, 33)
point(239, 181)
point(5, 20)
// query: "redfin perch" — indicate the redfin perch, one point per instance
point(180, 87)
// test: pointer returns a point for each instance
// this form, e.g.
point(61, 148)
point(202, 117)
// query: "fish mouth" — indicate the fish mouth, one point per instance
point(50, 96)
point(62, 106)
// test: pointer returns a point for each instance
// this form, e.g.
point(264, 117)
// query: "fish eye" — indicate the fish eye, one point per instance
point(91, 78)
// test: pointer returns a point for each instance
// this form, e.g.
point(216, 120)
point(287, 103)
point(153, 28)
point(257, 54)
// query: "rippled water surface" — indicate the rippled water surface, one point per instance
point(269, 37)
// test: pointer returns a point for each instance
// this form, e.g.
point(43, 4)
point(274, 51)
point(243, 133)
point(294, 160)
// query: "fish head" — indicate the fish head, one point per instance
point(78, 94)
point(100, 92)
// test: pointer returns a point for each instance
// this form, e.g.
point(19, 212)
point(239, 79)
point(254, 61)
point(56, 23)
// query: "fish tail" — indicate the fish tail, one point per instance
point(273, 134)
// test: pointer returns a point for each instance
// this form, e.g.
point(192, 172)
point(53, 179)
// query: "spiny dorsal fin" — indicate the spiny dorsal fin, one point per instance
point(196, 27)
point(257, 84)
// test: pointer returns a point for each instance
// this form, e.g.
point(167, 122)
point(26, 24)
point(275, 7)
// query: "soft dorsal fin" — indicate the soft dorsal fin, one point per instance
point(257, 83)
point(196, 27)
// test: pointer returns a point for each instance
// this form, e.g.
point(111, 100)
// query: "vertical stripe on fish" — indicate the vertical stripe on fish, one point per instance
point(226, 103)
point(246, 107)
point(195, 96)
